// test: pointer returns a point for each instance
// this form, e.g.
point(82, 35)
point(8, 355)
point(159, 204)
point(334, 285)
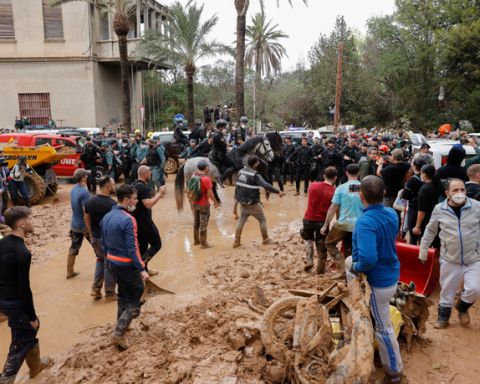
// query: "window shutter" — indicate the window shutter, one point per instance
point(6, 20)
point(52, 21)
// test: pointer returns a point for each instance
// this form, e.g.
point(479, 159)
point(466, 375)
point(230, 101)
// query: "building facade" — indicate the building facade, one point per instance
point(65, 62)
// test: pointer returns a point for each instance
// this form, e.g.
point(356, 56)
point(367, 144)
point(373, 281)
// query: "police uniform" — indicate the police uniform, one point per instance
point(331, 158)
point(156, 161)
point(201, 150)
point(219, 156)
point(274, 169)
point(350, 152)
point(109, 162)
point(316, 163)
point(89, 158)
point(240, 134)
point(288, 149)
point(179, 135)
point(302, 157)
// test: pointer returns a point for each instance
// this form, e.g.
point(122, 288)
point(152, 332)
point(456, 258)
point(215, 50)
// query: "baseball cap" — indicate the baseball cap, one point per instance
point(88, 138)
point(151, 141)
point(193, 141)
point(425, 146)
point(364, 144)
point(80, 172)
point(332, 140)
point(105, 144)
point(202, 164)
point(397, 154)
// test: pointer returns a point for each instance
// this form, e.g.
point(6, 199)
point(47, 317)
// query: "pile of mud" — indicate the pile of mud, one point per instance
point(215, 341)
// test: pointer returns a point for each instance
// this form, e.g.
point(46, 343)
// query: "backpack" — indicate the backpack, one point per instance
point(194, 188)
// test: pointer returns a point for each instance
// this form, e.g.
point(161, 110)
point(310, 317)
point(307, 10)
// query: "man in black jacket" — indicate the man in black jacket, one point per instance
point(317, 159)
point(361, 153)
point(473, 185)
point(349, 151)
point(302, 157)
point(219, 154)
point(203, 149)
point(332, 157)
point(90, 151)
point(16, 299)
point(288, 149)
point(178, 133)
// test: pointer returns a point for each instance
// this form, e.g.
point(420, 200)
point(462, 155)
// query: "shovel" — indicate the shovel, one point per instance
point(152, 290)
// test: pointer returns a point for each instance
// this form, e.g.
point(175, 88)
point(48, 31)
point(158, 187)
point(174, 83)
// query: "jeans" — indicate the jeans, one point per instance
point(201, 216)
point(130, 288)
point(18, 186)
point(77, 241)
point(412, 222)
point(256, 211)
point(334, 237)
point(102, 274)
point(384, 332)
point(311, 232)
point(23, 336)
point(148, 235)
point(303, 170)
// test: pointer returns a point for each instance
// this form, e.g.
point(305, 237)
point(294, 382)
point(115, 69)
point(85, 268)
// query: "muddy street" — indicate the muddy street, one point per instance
point(206, 332)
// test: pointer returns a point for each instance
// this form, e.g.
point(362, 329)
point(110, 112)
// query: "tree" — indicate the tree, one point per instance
point(121, 10)
point(264, 52)
point(242, 7)
point(186, 43)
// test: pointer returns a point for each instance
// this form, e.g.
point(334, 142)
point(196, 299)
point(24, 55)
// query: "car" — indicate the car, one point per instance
point(439, 149)
point(167, 136)
point(297, 135)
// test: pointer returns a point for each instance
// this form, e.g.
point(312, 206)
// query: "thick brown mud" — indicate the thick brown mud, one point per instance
point(206, 333)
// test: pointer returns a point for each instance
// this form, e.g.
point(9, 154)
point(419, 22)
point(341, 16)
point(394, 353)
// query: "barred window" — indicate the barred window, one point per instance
point(36, 106)
point(6, 20)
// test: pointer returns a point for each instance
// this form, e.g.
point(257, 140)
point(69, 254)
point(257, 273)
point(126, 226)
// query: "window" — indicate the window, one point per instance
point(52, 21)
point(66, 143)
point(42, 141)
point(104, 29)
point(36, 106)
point(6, 20)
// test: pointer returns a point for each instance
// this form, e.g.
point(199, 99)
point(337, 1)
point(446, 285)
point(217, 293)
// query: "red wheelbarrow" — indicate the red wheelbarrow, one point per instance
point(425, 276)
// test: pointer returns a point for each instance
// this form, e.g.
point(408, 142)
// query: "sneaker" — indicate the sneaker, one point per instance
point(96, 294)
point(152, 272)
point(296, 193)
point(110, 298)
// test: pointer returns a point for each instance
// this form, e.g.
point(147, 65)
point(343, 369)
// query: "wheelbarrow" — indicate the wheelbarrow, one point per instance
point(425, 276)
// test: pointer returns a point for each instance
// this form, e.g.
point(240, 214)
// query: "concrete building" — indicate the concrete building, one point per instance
point(64, 62)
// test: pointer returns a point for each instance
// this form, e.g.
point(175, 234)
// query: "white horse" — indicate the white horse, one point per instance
point(258, 145)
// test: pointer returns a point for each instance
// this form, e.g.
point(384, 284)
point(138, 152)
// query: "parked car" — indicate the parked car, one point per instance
point(167, 136)
point(68, 165)
point(439, 149)
point(297, 136)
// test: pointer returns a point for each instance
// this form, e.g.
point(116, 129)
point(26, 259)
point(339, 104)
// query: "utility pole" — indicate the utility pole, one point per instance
point(339, 82)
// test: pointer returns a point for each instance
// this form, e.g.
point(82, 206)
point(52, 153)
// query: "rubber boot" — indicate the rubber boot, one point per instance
point(339, 259)
point(34, 362)
point(27, 204)
point(308, 247)
point(203, 240)
point(322, 261)
point(238, 237)
point(70, 264)
point(462, 309)
point(118, 335)
point(196, 235)
point(224, 177)
point(443, 317)
point(7, 380)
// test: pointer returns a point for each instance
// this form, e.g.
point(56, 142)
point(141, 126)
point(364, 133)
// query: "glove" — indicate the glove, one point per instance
point(423, 261)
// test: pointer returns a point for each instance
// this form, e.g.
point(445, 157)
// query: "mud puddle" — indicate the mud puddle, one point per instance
point(66, 311)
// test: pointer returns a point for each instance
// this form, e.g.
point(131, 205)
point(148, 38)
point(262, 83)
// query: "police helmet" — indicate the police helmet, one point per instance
point(198, 122)
point(221, 123)
point(179, 120)
point(243, 120)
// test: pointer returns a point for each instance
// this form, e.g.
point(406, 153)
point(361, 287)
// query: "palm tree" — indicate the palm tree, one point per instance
point(186, 43)
point(121, 11)
point(264, 52)
point(242, 7)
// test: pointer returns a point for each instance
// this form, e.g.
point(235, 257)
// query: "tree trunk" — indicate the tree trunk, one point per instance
point(240, 65)
point(121, 28)
point(190, 71)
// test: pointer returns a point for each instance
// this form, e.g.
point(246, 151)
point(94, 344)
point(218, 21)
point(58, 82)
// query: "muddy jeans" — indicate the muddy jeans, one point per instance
point(384, 332)
point(23, 336)
point(77, 241)
point(311, 231)
point(334, 237)
point(256, 211)
point(130, 288)
point(450, 278)
point(201, 215)
point(102, 274)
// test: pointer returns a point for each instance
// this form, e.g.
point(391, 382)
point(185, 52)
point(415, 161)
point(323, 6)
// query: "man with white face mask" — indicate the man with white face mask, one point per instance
point(457, 218)
point(240, 132)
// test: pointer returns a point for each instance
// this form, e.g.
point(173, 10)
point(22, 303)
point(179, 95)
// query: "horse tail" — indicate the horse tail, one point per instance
point(179, 188)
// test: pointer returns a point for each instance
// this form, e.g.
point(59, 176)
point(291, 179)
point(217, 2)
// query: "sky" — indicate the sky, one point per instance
point(303, 24)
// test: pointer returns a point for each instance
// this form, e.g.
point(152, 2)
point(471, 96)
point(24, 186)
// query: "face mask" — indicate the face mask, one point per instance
point(124, 145)
point(151, 146)
point(458, 198)
point(242, 125)
point(143, 146)
point(131, 208)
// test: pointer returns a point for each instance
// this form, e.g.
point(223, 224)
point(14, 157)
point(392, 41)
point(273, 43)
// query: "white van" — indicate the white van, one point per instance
point(440, 148)
point(167, 136)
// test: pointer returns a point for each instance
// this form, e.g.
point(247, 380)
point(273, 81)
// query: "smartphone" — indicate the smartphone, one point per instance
point(354, 188)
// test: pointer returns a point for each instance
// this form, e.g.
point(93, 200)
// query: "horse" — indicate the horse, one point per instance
point(262, 146)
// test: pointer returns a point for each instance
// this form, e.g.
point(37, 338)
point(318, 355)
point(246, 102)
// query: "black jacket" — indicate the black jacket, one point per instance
point(301, 156)
point(203, 149)
point(178, 133)
point(332, 158)
point(473, 190)
point(288, 149)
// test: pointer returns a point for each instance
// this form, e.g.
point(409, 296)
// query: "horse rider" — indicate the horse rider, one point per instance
point(195, 135)
point(219, 154)
point(178, 133)
point(203, 149)
point(240, 132)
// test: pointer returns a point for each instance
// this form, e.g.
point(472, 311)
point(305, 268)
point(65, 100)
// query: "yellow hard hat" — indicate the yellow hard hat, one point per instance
point(137, 131)
point(150, 134)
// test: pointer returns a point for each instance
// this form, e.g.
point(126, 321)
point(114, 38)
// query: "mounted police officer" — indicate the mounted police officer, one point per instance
point(240, 132)
point(178, 133)
point(288, 149)
point(219, 153)
point(204, 148)
point(155, 159)
point(108, 161)
point(89, 158)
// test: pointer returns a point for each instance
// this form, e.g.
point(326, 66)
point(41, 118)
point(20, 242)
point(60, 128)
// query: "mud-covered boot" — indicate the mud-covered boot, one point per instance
point(7, 380)
point(308, 247)
point(118, 335)
point(339, 259)
point(267, 240)
point(35, 362)
point(322, 261)
point(238, 237)
point(27, 203)
point(462, 309)
point(399, 378)
point(443, 317)
point(70, 264)
point(196, 235)
point(203, 240)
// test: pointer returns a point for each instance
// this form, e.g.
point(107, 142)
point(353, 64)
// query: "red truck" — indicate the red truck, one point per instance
point(67, 166)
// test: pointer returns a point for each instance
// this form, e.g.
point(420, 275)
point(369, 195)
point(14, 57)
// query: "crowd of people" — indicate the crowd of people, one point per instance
point(372, 183)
